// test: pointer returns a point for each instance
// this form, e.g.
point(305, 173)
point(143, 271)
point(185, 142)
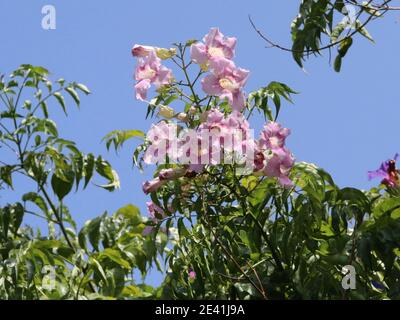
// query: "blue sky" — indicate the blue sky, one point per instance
point(346, 123)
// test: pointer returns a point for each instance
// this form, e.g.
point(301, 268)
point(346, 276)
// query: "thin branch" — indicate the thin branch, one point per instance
point(333, 44)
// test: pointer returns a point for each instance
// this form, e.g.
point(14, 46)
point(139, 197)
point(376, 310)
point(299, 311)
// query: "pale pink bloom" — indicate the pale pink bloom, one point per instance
point(150, 71)
point(153, 185)
point(279, 166)
point(139, 50)
point(192, 274)
point(226, 81)
point(211, 137)
point(172, 173)
point(239, 135)
point(238, 123)
point(230, 137)
point(215, 45)
point(215, 120)
point(153, 211)
point(273, 136)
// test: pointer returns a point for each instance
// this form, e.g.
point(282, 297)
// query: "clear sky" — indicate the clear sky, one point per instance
point(346, 123)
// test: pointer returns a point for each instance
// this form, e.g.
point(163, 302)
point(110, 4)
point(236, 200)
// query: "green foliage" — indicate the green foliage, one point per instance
point(326, 25)
point(254, 240)
point(274, 92)
point(96, 262)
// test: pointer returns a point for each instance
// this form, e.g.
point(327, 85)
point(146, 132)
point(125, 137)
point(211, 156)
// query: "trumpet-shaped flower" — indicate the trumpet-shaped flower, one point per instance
point(172, 173)
point(153, 185)
point(279, 166)
point(215, 45)
point(273, 136)
point(150, 71)
point(388, 172)
point(139, 50)
point(226, 81)
point(154, 212)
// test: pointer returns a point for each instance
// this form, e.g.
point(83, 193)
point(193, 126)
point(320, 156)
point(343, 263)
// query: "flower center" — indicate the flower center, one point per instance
point(228, 84)
point(147, 73)
point(274, 141)
point(215, 52)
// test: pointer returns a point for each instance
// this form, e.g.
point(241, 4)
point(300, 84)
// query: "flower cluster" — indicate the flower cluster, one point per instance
point(388, 172)
point(226, 80)
point(220, 139)
point(206, 135)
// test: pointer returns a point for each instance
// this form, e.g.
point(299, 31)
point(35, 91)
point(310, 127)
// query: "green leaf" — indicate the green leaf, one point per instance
point(37, 200)
point(88, 168)
point(60, 186)
point(183, 232)
point(104, 169)
point(337, 65)
point(390, 206)
point(61, 101)
point(337, 31)
point(363, 31)
point(6, 174)
point(131, 213)
point(93, 232)
point(73, 94)
point(82, 87)
point(115, 256)
point(344, 46)
point(119, 137)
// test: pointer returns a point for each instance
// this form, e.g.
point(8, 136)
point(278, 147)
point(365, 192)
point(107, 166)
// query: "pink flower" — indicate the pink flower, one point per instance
point(142, 51)
point(279, 166)
point(172, 173)
point(226, 81)
point(153, 185)
point(215, 120)
point(236, 121)
point(231, 135)
point(150, 71)
point(273, 136)
point(215, 45)
point(192, 274)
point(153, 211)
point(163, 139)
point(388, 172)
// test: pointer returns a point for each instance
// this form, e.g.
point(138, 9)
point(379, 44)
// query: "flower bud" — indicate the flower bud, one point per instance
point(166, 112)
point(141, 51)
point(172, 173)
point(152, 185)
point(164, 53)
point(192, 110)
point(182, 116)
point(204, 116)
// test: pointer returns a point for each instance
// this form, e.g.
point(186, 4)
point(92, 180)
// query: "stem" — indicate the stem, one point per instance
point(189, 83)
point(59, 218)
point(229, 255)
